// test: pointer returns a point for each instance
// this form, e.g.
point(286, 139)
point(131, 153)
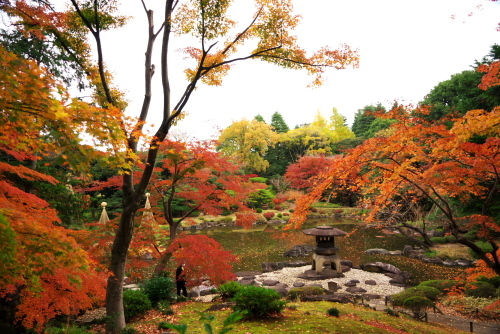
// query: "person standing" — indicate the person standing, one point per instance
point(181, 281)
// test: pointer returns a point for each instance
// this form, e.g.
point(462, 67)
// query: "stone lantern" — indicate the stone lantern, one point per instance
point(325, 250)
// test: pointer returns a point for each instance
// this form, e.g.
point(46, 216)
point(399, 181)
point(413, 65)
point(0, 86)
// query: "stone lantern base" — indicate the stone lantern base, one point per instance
point(319, 260)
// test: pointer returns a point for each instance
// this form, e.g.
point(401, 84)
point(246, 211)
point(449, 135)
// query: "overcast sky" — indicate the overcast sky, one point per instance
point(406, 48)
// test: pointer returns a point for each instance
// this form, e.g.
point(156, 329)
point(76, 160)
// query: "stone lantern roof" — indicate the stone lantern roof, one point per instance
point(324, 231)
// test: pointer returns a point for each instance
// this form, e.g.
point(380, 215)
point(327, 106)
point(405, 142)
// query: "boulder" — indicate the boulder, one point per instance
point(269, 267)
point(270, 282)
point(298, 284)
point(299, 251)
point(370, 282)
point(247, 282)
point(280, 289)
point(355, 289)
point(346, 263)
point(396, 252)
point(380, 267)
point(377, 251)
point(407, 250)
point(463, 263)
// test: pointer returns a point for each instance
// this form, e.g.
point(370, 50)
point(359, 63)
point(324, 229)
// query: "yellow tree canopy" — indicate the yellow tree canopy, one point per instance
point(247, 142)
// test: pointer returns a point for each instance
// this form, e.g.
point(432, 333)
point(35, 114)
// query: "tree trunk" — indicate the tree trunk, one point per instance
point(114, 290)
point(165, 257)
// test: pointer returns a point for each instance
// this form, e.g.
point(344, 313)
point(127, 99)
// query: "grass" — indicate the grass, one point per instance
point(300, 317)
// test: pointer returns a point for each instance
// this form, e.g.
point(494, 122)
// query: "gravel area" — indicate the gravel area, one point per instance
point(289, 276)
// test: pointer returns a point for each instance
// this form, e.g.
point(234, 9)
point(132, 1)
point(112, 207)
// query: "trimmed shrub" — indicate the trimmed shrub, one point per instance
point(229, 290)
point(158, 289)
point(495, 280)
point(439, 240)
point(480, 290)
point(268, 215)
point(450, 238)
point(428, 292)
point(442, 285)
point(258, 210)
point(280, 215)
point(258, 301)
point(298, 293)
point(418, 305)
point(135, 303)
point(333, 312)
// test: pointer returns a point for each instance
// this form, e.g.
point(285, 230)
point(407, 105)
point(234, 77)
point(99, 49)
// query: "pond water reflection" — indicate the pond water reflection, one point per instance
point(267, 243)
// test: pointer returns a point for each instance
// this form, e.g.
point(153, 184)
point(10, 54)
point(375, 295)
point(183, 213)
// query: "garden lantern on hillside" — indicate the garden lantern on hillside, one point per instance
point(325, 247)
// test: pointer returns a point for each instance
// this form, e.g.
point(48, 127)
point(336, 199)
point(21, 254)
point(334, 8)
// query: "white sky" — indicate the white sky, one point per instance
point(406, 48)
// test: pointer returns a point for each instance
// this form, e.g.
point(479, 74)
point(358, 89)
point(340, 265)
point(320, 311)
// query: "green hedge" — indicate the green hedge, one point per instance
point(258, 301)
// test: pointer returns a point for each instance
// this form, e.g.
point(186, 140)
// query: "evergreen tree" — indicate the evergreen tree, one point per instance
point(278, 123)
point(259, 118)
point(364, 118)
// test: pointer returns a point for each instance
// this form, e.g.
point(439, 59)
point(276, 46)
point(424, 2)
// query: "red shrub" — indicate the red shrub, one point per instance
point(269, 215)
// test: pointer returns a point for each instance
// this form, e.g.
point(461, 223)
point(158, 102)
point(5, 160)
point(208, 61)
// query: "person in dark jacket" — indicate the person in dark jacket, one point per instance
point(181, 281)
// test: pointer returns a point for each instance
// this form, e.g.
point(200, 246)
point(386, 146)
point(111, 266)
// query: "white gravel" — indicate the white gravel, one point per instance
point(289, 276)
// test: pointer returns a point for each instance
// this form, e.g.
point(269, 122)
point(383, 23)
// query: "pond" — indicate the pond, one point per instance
point(267, 243)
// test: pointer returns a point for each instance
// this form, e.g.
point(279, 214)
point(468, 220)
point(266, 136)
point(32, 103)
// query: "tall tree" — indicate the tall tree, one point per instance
point(40, 261)
point(364, 118)
point(247, 142)
point(339, 127)
point(278, 123)
point(205, 180)
point(219, 41)
point(464, 91)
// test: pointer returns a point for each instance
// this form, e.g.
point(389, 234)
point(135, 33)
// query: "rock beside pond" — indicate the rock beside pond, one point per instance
point(299, 251)
point(377, 251)
point(273, 266)
point(380, 267)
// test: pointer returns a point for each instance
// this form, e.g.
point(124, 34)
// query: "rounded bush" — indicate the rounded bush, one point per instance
point(135, 303)
point(158, 289)
point(418, 303)
point(333, 312)
point(229, 290)
point(269, 215)
point(480, 290)
point(442, 285)
point(258, 210)
point(450, 238)
point(428, 292)
point(439, 240)
point(258, 301)
point(298, 293)
point(495, 280)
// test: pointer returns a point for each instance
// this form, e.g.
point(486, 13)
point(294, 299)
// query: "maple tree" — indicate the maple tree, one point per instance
point(220, 41)
point(428, 162)
point(303, 174)
point(205, 180)
point(44, 266)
